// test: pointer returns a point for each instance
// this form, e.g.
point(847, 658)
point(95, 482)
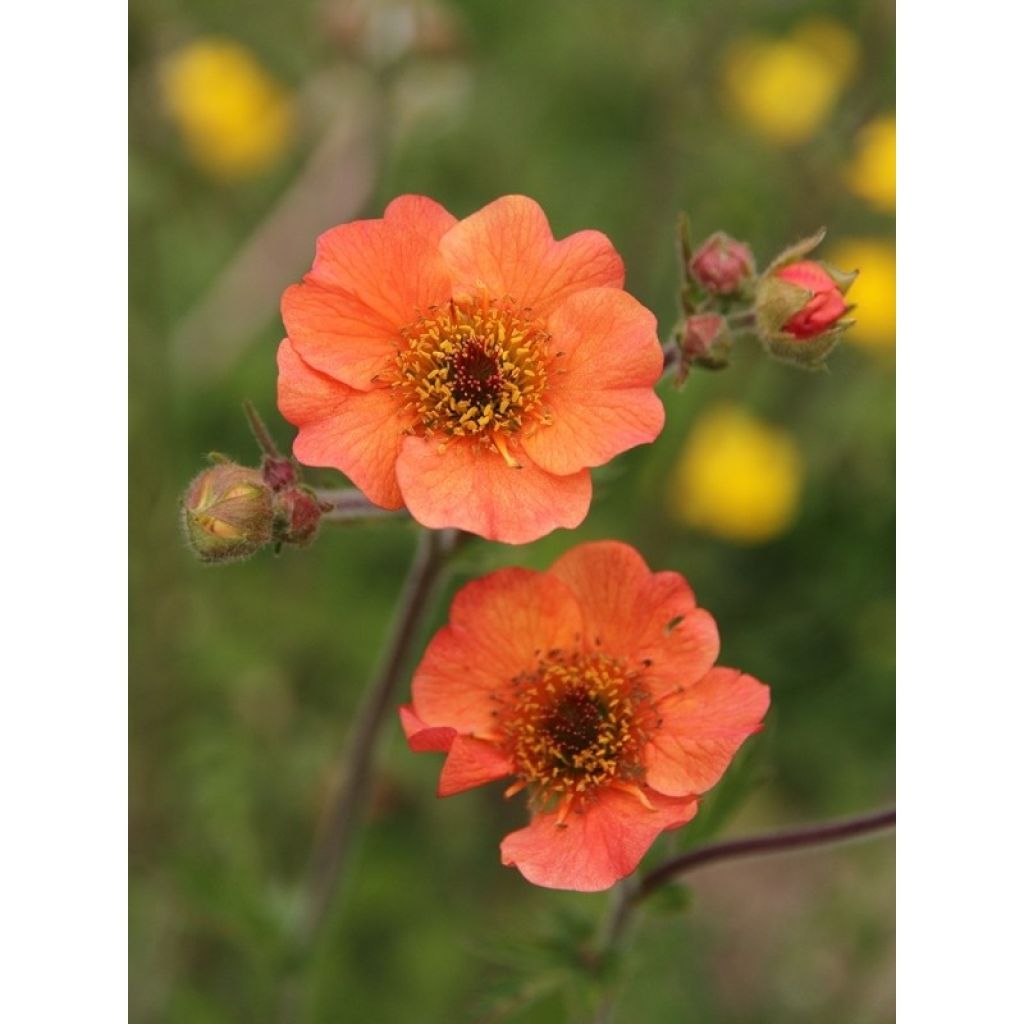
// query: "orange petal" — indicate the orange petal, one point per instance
point(644, 617)
point(472, 762)
point(701, 728)
point(597, 844)
point(358, 432)
point(473, 489)
point(370, 278)
point(422, 737)
point(338, 334)
point(600, 390)
point(499, 624)
point(507, 250)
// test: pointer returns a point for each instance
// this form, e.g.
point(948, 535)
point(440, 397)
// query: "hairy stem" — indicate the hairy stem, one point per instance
point(338, 831)
point(259, 430)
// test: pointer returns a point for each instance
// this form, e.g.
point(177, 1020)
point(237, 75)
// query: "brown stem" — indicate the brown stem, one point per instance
point(348, 505)
point(772, 842)
point(335, 837)
point(630, 894)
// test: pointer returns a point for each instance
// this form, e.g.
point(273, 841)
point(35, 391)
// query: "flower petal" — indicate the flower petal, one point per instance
point(600, 390)
point(338, 334)
point(473, 489)
point(632, 613)
point(498, 625)
point(422, 737)
point(507, 250)
point(700, 730)
point(597, 845)
point(370, 278)
point(358, 432)
point(472, 762)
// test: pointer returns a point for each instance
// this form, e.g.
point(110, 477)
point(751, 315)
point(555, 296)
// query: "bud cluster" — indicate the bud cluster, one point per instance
point(230, 511)
point(796, 307)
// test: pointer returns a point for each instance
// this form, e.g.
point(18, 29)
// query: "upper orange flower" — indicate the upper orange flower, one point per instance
point(592, 684)
point(470, 370)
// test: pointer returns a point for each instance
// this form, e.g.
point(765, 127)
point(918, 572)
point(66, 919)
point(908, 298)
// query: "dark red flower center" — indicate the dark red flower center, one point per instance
point(475, 374)
point(577, 722)
point(474, 369)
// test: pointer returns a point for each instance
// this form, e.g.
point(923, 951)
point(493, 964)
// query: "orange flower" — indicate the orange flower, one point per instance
point(473, 371)
point(592, 685)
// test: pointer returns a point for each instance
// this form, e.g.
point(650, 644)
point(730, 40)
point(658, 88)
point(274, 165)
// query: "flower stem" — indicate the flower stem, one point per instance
point(338, 831)
point(260, 431)
point(348, 505)
point(821, 834)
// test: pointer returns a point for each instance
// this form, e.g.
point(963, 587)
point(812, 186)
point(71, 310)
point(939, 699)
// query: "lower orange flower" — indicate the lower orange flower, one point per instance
point(592, 685)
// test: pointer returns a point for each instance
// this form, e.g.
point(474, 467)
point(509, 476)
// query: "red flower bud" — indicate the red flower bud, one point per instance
point(823, 309)
point(800, 308)
point(297, 513)
point(279, 472)
point(722, 265)
point(226, 512)
point(702, 336)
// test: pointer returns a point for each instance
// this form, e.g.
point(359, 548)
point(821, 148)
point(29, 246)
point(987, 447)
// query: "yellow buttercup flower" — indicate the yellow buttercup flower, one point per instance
point(784, 89)
point(234, 119)
point(737, 477)
point(872, 172)
point(874, 291)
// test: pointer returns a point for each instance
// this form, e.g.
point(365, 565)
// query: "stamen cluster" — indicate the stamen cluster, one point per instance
point(474, 369)
point(575, 723)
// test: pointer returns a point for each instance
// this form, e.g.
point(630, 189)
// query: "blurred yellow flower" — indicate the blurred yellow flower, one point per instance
point(872, 172)
point(234, 118)
point(737, 477)
point(874, 291)
point(783, 89)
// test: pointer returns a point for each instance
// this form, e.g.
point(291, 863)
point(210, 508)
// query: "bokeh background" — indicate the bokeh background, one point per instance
point(253, 127)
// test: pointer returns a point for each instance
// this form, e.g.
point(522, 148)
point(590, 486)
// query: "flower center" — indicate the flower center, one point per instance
point(579, 721)
point(474, 369)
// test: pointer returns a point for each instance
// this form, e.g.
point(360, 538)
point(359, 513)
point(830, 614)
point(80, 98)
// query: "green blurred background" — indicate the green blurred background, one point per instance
point(254, 126)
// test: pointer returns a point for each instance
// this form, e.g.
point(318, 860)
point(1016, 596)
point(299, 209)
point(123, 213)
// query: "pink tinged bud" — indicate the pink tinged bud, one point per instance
point(700, 335)
point(279, 472)
point(227, 513)
point(722, 265)
point(297, 513)
point(799, 306)
point(823, 309)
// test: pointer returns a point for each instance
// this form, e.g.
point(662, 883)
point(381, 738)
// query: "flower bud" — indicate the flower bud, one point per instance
point(800, 306)
point(227, 512)
point(706, 340)
point(279, 472)
point(297, 513)
point(722, 265)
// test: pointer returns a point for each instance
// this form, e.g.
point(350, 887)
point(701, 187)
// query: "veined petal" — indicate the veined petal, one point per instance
point(370, 278)
point(499, 625)
point(358, 432)
point(422, 737)
point(650, 619)
point(701, 728)
point(507, 250)
point(600, 390)
point(597, 844)
point(471, 488)
point(470, 763)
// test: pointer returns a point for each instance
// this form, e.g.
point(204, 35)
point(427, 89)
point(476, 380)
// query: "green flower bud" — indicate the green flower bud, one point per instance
point(227, 512)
